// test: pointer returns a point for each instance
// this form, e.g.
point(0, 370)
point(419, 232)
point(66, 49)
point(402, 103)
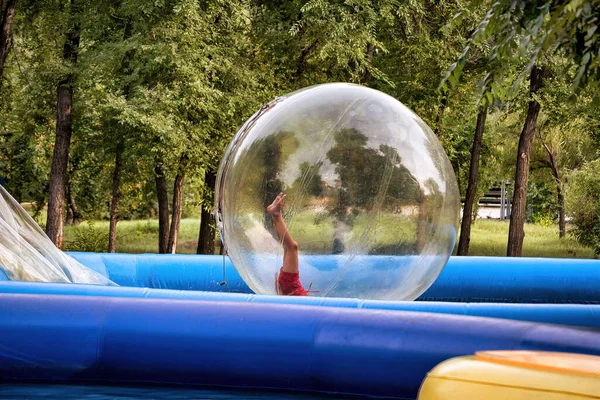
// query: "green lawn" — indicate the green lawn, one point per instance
point(315, 233)
point(488, 238)
point(132, 236)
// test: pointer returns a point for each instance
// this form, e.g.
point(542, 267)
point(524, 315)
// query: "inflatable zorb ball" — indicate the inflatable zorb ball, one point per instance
point(372, 200)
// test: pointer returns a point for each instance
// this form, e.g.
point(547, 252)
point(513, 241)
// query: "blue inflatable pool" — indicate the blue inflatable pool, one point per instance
point(179, 320)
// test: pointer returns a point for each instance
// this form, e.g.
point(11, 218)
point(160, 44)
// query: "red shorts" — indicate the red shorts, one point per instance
point(290, 285)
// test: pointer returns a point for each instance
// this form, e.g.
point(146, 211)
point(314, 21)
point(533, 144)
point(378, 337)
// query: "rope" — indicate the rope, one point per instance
point(224, 282)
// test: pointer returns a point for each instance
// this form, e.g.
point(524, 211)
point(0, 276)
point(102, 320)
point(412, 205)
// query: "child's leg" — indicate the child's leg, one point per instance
point(290, 247)
point(289, 279)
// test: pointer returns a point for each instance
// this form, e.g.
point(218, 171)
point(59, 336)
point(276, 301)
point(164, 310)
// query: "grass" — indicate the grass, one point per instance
point(315, 232)
point(134, 236)
point(488, 238)
point(140, 236)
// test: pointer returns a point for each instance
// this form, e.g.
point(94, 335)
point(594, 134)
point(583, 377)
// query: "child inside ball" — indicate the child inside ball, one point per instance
point(287, 280)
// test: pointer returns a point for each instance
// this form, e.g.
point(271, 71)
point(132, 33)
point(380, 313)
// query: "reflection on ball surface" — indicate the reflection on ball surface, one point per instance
point(372, 200)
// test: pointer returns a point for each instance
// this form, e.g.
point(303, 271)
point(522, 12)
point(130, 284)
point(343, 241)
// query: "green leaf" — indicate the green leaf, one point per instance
point(586, 58)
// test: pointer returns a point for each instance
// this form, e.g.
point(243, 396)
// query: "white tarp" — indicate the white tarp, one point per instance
point(26, 253)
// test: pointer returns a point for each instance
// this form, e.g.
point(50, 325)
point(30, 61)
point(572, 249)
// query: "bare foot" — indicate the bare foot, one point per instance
point(276, 208)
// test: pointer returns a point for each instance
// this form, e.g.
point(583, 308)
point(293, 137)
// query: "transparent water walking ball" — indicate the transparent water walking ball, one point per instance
point(372, 200)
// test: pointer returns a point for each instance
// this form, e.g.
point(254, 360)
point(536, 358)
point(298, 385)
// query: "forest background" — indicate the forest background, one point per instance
point(121, 110)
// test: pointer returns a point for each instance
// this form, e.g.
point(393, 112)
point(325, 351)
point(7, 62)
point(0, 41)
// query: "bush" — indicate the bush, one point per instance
point(583, 204)
point(147, 228)
point(541, 204)
point(88, 238)
point(544, 219)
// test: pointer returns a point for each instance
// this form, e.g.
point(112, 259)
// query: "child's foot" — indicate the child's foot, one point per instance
point(276, 208)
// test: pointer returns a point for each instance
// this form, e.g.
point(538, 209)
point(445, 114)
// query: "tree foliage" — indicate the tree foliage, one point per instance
point(583, 204)
point(163, 86)
point(530, 31)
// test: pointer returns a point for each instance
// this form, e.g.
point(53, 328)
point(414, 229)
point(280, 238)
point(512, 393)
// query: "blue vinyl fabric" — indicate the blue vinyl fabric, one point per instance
point(464, 279)
point(240, 344)
point(70, 391)
point(166, 271)
point(587, 315)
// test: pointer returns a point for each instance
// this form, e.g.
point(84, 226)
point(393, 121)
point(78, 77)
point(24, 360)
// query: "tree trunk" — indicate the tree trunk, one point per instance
point(77, 218)
point(553, 165)
point(6, 20)
point(562, 230)
point(163, 209)
point(367, 76)
point(40, 203)
point(60, 158)
point(56, 192)
point(114, 204)
point(73, 214)
point(206, 237)
point(440, 115)
point(176, 216)
point(70, 216)
point(465, 227)
point(516, 232)
point(302, 61)
point(116, 193)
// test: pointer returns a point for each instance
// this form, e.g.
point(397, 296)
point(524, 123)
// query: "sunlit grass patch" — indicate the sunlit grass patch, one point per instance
point(488, 237)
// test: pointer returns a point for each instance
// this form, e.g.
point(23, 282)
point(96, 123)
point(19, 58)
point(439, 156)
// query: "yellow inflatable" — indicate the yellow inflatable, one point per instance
point(514, 375)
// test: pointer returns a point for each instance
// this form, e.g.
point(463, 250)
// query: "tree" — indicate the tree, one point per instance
point(162, 100)
point(189, 87)
point(74, 216)
point(163, 209)
point(465, 227)
point(125, 69)
point(516, 232)
point(583, 204)
point(7, 14)
point(177, 204)
point(483, 100)
point(64, 127)
point(420, 46)
point(531, 30)
point(564, 138)
point(206, 236)
point(114, 203)
point(27, 103)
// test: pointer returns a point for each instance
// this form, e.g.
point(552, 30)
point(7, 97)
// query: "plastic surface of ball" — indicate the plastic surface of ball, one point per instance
point(372, 200)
